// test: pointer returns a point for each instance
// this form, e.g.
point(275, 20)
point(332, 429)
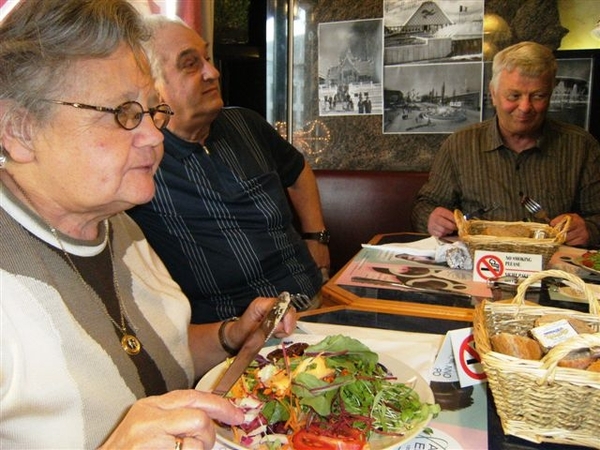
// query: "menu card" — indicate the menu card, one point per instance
point(376, 267)
point(462, 423)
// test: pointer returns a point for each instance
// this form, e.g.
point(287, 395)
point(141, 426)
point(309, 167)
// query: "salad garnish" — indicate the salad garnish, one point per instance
point(591, 259)
point(333, 394)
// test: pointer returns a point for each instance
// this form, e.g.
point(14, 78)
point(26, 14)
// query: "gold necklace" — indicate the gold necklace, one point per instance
point(129, 342)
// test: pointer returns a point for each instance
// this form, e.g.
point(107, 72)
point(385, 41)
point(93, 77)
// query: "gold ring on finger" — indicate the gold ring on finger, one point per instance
point(178, 443)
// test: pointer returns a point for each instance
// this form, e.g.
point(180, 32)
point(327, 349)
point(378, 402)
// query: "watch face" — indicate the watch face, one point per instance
point(324, 237)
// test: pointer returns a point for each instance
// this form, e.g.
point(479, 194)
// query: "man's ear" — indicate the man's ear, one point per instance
point(16, 136)
point(492, 93)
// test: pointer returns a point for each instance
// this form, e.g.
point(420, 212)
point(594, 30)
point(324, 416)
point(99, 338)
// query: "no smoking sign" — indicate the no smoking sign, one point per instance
point(469, 359)
point(468, 362)
point(489, 266)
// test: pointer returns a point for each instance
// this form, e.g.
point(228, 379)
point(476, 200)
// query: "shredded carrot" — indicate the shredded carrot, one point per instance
point(236, 434)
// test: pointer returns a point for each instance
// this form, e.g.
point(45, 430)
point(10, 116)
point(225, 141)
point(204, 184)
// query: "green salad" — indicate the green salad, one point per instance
point(591, 259)
point(334, 391)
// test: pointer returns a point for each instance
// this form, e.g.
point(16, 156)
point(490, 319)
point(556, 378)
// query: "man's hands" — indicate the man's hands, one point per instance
point(578, 234)
point(441, 222)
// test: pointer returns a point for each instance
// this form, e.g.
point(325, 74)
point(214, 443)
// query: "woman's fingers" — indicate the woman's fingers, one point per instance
point(186, 414)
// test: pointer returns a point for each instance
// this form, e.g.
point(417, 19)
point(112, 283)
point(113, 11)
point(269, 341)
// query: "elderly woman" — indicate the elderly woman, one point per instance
point(96, 344)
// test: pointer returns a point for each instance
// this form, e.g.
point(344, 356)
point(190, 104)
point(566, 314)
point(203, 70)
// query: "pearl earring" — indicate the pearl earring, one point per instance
point(3, 158)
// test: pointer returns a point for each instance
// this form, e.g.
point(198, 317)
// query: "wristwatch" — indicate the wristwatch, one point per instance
point(319, 236)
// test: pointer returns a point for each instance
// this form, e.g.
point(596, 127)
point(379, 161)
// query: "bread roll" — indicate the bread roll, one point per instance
point(518, 346)
point(578, 325)
point(578, 359)
point(507, 231)
point(594, 367)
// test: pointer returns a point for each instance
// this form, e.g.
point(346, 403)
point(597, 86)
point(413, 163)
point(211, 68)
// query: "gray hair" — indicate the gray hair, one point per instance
point(155, 23)
point(529, 58)
point(40, 40)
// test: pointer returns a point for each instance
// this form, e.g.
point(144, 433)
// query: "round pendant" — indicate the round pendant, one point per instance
point(131, 344)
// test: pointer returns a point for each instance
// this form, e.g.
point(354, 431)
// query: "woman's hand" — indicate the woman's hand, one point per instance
point(257, 310)
point(204, 341)
point(159, 421)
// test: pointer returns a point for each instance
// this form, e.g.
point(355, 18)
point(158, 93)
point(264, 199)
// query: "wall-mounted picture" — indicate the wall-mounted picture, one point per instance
point(431, 98)
point(350, 62)
point(432, 65)
point(432, 31)
point(571, 98)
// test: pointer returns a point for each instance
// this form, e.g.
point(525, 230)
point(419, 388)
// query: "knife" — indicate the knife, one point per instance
point(253, 344)
point(480, 212)
point(406, 287)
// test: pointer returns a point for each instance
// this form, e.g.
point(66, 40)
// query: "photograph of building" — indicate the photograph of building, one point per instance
point(432, 31)
point(432, 65)
point(350, 64)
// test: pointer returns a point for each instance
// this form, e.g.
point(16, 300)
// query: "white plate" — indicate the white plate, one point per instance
point(578, 262)
point(570, 291)
point(401, 371)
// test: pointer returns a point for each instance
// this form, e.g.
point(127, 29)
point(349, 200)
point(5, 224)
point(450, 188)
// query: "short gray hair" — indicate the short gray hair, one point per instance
point(154, 23)
point(39, 41)
point(528, 58)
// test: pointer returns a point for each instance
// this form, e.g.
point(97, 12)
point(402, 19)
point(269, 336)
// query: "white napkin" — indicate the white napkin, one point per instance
point(425, 247)
point(455, 254)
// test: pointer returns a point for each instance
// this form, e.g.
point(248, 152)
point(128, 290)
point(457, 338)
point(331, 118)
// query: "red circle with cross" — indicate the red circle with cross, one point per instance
point(490, 266)
point(467, 356)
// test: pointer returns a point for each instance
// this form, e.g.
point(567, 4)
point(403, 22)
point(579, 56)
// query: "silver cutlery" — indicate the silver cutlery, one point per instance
point(480, 212)
point(508, 283)
point(535, 208)
point(253, 344)
point(301, 302)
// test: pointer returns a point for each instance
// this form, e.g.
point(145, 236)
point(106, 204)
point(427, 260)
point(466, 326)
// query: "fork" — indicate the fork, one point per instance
point(302, 302)
point(535, 208)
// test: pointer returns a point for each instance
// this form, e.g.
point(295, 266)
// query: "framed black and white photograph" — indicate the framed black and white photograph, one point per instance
point(432, 31)
point(431, 98)
point(350, 62)
point(432, 65)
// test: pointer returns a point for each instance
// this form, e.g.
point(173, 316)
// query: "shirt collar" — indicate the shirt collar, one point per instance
point(179, 148)
point(495, 138)
point(36, 226)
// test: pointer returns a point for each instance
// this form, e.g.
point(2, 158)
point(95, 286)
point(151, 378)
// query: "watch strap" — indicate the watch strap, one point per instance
point(320, 236)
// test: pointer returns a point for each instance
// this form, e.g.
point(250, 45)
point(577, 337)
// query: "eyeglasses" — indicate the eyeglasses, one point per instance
point(129, 114)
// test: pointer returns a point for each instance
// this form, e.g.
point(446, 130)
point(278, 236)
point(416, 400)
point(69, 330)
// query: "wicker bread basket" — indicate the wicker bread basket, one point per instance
point(537, 400)
point(471, 232)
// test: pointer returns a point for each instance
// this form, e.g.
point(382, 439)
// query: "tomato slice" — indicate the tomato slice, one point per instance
point(319, 439)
